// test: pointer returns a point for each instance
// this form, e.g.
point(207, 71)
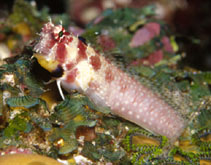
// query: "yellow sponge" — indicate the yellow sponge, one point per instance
point(27, 159)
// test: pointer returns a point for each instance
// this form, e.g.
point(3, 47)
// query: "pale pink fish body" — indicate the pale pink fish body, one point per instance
point(105, 84)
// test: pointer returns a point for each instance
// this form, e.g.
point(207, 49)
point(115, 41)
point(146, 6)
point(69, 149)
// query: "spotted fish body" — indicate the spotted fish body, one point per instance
point(105, 84)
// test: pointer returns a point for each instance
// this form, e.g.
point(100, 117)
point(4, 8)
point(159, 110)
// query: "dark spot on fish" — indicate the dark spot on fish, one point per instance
point(82, 39)
point(58, 72)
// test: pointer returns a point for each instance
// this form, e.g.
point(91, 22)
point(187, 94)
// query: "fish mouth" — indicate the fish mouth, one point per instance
point(41, 47)
point(38, 45)
point(45, 41)
point(37, 49)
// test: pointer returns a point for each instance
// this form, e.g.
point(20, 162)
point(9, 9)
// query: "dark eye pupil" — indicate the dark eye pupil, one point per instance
point(60, 33)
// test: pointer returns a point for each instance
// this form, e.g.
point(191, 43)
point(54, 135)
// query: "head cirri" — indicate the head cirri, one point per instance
point(52, 39)
point(51, 36)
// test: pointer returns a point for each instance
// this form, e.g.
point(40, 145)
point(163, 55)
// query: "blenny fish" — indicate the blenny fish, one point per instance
point(78, 66)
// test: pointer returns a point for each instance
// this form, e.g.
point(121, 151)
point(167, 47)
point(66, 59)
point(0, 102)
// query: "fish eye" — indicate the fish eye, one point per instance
point(61, 33)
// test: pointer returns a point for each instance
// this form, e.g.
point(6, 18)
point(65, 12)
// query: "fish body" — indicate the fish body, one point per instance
point(105, 84)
